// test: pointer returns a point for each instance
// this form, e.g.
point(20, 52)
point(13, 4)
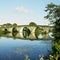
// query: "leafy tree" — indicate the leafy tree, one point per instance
point(32, 24)
point(54, 17)
point(7, 25)
point(14, 25)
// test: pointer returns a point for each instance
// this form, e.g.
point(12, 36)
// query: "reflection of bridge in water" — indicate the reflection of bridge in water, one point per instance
point(32, 34)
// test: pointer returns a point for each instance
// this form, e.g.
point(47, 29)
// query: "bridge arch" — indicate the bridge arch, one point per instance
point(32, 34)
point(26, 32)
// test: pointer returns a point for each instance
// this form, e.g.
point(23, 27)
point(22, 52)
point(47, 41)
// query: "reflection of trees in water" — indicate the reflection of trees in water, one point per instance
point(14, 34)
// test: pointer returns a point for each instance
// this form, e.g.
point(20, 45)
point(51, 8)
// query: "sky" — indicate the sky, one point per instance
point(23, 12)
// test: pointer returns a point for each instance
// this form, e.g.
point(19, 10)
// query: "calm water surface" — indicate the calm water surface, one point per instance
point(16, 49)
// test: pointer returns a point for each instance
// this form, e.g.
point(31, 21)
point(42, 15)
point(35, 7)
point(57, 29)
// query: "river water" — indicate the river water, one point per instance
point(17, 49)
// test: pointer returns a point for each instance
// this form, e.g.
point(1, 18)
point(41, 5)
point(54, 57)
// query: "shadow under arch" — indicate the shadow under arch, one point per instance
point(26, 32)
point(37, 32)
point(5, 31)
point(14, 32)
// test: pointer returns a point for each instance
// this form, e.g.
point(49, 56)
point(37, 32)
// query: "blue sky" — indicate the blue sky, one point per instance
point(24, 11)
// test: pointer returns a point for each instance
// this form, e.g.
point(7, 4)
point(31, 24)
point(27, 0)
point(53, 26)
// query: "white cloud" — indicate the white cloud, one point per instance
point(22, 9)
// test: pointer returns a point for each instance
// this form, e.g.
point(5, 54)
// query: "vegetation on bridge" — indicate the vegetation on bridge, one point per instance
point(32, 24)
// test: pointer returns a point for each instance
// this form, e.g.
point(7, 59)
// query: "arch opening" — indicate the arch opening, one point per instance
point(26, 32)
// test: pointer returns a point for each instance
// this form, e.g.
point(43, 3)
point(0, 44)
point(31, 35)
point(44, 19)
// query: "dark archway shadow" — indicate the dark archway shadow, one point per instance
point(26, 32)
point(14, 32)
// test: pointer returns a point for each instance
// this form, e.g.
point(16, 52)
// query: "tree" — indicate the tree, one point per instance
point(54, 17)
point(32, 24)
point(7, 25)
point(14, 25)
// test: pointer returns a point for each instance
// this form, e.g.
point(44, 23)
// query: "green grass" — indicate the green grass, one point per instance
point(1, 32)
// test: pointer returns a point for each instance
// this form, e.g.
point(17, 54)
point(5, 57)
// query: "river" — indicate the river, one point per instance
point(17, 49)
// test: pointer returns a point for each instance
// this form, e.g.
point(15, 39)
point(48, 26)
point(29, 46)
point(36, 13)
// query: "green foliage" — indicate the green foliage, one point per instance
point(54, 17)
point(32, 24)
point(1, 32)
point(57, 30)
point(7, 25)
point(53, 12)
point(56, 48)
point(14, 25)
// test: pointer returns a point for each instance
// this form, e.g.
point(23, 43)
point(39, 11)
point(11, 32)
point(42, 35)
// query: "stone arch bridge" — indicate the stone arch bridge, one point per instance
point(32, 30)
